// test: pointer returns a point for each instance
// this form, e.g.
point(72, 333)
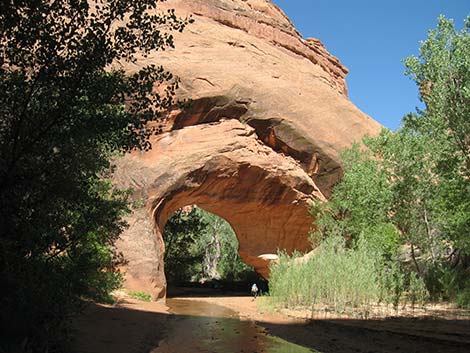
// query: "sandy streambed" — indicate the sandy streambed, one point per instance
point(236, 324)
point(200, 326)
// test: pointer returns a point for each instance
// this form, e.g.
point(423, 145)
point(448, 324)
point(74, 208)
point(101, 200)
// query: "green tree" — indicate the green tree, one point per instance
point(201, 245)
point(418, 177)
point(361, 203)
point(403, 189)
point(442, 73)
point(65, 109)
point(183, 258)
point(411, 187)
point(220, 246)
point(407, 158)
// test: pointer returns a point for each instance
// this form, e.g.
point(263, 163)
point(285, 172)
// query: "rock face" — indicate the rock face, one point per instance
point(260, 140)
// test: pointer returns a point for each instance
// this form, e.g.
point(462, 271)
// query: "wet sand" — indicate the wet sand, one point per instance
point(200, 326)
point(206, 323)
point(342, 335)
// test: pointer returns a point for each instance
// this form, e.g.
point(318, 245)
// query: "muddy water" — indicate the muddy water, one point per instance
point(196, 327)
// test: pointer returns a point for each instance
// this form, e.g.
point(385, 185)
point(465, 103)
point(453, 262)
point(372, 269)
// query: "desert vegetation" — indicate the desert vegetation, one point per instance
point(397, 227)
point(201, 247)
point(65, 112)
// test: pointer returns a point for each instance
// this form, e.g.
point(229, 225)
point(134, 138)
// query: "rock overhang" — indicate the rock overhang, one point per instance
point(259, 140)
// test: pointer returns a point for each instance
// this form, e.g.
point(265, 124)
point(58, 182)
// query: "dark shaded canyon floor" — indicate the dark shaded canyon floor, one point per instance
point(219, 324)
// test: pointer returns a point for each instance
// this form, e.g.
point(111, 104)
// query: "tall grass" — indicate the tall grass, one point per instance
point(341, 278)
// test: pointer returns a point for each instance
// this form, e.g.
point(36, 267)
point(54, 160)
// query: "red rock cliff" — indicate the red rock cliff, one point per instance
point(259, 142)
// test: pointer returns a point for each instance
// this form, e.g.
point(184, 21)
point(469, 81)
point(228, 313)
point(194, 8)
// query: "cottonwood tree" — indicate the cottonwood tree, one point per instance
point(411, 187)
point(65, 109)
point(201, 246)
point(220, 246)
point(182, 258)
point(442, 72)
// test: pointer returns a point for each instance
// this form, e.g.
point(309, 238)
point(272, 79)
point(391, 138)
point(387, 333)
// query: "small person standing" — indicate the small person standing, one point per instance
point(254, 291)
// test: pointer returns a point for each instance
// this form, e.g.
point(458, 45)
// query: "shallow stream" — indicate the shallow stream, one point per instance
point(202, 327)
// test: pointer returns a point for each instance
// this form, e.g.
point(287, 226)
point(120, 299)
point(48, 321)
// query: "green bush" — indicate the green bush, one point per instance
point(449, 284)
point(463, 297)
point(392, 283)
point(141, 296)
point(336, 276)
point(342, 279)
point(418, 293)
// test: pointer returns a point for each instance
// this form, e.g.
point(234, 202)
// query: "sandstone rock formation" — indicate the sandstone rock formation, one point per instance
point(260, 140)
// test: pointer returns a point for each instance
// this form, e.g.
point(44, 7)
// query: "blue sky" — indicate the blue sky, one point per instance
point(371, 38)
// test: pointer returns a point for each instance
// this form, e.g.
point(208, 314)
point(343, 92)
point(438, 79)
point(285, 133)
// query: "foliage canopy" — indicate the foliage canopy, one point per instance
point(65, 109)
point(202, 246)
point(405, 197)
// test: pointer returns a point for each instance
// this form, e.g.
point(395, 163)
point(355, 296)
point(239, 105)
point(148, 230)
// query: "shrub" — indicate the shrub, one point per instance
point(141, 296)
point(336, 276)
point(342, 279)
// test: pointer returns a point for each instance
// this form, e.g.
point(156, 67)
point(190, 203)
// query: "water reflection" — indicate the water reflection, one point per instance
point(203, 327)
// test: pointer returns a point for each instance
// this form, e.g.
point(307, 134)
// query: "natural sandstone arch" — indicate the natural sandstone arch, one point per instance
point(260, 140)
point(224, 168)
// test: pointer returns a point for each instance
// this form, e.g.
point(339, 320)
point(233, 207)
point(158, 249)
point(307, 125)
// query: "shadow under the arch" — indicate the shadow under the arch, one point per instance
point(216, 288)
point(185, 291)
point(198, 326)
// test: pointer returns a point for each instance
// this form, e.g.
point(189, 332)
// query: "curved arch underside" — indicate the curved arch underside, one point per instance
point(224, 168)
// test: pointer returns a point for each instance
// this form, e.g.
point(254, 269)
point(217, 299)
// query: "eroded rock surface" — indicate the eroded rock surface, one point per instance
point(224, 168)
point(260, 140)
